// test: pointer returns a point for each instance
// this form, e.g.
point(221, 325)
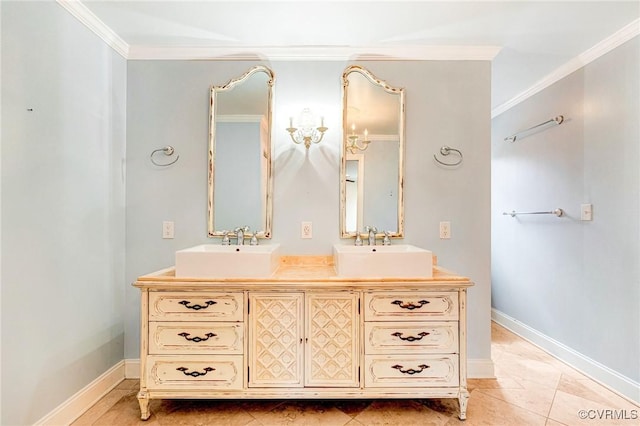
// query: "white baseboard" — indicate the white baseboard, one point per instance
point(602, 374)
point(84, 399)
point(480, 369)
point(132, 368)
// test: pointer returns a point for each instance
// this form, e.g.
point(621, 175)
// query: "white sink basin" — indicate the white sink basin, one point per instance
point(395, 261)
point(218, 261)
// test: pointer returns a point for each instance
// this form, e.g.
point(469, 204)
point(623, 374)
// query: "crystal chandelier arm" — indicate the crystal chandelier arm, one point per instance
point(295, 135)
point(318, 134)
point(306, 134)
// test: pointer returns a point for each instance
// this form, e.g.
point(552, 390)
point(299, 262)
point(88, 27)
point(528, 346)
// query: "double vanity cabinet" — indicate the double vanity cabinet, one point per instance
point(303, 333)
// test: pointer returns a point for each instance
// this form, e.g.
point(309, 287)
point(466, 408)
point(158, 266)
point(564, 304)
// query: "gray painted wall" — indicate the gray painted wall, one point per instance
point(447, 102)
point(574, 281)
point(62, 208)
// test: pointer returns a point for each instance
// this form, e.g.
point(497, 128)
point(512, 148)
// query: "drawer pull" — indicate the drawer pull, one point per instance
point(411, 370)
point(197, 307)
point(195, 373)
point(410, 338)
point(410, 305)
point(197, 339)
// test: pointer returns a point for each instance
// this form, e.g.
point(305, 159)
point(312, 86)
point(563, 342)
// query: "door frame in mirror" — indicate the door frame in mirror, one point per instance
point(266, 155)
point(399, 232)
point(359, 189)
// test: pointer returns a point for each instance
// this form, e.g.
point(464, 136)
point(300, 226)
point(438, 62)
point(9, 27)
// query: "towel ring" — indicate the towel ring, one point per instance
point(446, 150)
point(168, 151)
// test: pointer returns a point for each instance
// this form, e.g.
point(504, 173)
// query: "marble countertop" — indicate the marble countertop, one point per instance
point(307, 272)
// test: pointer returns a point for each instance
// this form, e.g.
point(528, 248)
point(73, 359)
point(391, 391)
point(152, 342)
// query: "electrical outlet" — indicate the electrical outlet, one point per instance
point(167, 229)
point(586, 212)
point(307, 230)
point(445, 230)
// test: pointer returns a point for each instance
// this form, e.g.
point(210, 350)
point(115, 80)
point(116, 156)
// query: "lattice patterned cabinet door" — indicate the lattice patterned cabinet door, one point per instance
point(275, 343)
point(332, 339)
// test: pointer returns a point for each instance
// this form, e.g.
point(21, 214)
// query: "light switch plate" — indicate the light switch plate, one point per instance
point(167, 229)
point(306, 230)
point(445, 230)
point(586, 212)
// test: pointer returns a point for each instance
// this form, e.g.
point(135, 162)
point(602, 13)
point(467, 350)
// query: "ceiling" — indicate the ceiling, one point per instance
point(527, 41)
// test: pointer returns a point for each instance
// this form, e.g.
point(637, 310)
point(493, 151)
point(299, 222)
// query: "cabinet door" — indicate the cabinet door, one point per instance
point(275, 342)
point(332, 339)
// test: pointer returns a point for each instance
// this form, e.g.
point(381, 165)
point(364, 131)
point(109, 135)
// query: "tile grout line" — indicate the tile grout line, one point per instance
point(555, 392)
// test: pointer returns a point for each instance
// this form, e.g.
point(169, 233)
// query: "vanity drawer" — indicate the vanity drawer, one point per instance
point(405, 371)
point(186, 306)
point(410, 306)
point(207, 372)
point(196, 338)
point(411, 337)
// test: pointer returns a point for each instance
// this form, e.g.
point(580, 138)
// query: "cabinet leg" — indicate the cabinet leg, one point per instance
point(143, 400)
point(463, 398)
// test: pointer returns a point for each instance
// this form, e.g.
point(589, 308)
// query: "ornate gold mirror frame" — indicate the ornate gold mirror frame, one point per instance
point(373, 122)
point(240, 181)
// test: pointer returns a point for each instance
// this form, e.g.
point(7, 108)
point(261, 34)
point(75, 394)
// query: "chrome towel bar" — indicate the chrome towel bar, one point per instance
point(513, 213)
point(557, 120)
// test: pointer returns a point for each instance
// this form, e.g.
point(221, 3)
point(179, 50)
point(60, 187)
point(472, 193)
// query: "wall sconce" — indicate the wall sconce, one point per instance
point(354, 142)
point(306, 133)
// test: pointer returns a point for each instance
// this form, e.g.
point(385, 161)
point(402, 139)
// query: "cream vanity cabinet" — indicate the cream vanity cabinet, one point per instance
point(302, 333)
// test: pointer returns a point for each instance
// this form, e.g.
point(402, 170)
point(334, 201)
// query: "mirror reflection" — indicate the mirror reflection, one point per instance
point(239, 175)
point(371, 173)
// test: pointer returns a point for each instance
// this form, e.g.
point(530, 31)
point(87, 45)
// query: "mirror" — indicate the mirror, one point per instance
point(239, 177)
point(372, 166)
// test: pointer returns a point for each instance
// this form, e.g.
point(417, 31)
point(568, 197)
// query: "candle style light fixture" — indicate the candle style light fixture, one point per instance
point(354, 143)
point(306, 132)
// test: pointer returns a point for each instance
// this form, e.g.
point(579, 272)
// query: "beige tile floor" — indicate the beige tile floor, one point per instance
point(531, 388)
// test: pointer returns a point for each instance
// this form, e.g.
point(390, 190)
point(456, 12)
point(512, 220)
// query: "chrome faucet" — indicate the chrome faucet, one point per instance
point(358, 241)
point(386, 241)
point(371, 230)
point(225, 238)
point(240, 231)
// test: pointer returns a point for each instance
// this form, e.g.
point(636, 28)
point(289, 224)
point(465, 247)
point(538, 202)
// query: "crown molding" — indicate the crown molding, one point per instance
point(91, 21)
point(275, 53)
point(621, 36)
point(239, 118)
point(384, 138)
point(343, 53)
point(315, 53)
